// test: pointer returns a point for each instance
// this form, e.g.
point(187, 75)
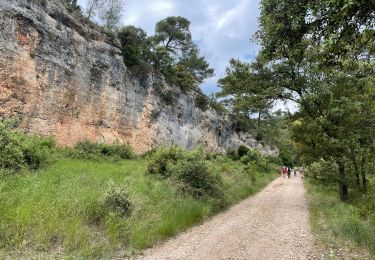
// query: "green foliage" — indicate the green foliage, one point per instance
point(254, 159)
point(170, 51)
point(218, 107)
point(286, 159)
point(323, 170)
point(242, 151)
point(21, 151)
point(178, 75)
point(250, 87)
point(174, 33)
point(117, 199)
point(233, 154)
point(195, 178)
point(62, 205)
point(161, 158)
point(110, 14)
point(91, 150)
point(322, 60)
point(241, 123)
point(136, 48)
point(188, 171)
point(352, 222)
point(176, 56)
point(197, 66)
point(201, 102)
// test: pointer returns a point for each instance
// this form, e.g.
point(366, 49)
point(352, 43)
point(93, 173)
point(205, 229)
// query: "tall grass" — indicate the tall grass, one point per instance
point(353, 222)
point(62, 207)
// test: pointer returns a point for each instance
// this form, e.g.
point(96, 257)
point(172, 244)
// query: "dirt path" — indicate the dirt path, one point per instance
point(271, 225)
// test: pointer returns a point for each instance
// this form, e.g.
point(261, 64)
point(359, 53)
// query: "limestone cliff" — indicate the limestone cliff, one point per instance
point(64, 78)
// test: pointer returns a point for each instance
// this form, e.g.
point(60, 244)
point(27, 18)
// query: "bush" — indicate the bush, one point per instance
point(218, 107)
point(242, 150)
point(178, 75)
point(195, 178)
point(255, 157)
point(323, 170)
point(91, 150)
point(117, 199)
point(161, 158)
point(189, 171)
point(233, 154)
point(274, 160)
point(19, 150)
point(202, 102)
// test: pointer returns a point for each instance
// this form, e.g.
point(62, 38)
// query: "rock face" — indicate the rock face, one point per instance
point(66, 79)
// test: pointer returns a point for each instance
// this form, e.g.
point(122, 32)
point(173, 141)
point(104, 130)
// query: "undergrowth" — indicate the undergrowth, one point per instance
point(96, 208)
point(352, 222)
point(99, 200)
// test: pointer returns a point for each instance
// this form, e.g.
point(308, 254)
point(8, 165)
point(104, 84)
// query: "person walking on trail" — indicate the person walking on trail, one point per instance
point(284, 171)
point(289, 172)
point(295, 172)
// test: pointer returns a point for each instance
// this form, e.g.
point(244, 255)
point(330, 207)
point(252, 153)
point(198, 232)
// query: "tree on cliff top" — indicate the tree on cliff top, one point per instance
point(174, 36)
point(110, 13)
point(174, 33)
point(136, 46)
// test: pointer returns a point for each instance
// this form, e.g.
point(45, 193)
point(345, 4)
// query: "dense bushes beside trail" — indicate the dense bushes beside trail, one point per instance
point(253, 159)
point(352, 223)
point(188, 170)
point(91, 150)
point(20, 151)
point(24, 151)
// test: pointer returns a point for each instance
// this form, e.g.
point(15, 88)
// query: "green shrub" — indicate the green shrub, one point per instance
point(274, 160)
point(218, 107)
point(178, 75)
point(37, 151)
point(195, 178)
point(189, 171)
point(117, 150)
point(202, 102)
point(233, 154)
point(117, 199)
point(242, 150)
point(19, 150)
point(91, 150)
point(322, 169)
point(255, 157)
point(161, 158)
point(212, 155)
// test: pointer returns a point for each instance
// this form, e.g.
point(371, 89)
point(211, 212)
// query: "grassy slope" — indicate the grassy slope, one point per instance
point(60, 208)
point(343, 226)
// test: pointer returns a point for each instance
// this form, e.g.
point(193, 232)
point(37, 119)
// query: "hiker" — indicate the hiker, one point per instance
point(295, 172)
point(284, 171)
point(289, 172)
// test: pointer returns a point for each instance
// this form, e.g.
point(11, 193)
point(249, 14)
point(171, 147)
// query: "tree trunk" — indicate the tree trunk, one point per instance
point(343, 188)
point(363, 174)
point(356, 171)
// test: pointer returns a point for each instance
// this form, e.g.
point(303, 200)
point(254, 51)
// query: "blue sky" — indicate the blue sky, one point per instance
point(221, 28)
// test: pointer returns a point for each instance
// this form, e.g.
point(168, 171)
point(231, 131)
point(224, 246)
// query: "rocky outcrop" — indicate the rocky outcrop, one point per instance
point(64, 78)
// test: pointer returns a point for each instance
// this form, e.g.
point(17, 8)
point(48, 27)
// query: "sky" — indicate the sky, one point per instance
point(221, 28)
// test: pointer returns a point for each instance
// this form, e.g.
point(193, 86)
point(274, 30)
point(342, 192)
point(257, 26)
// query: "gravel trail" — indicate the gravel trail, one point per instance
point(270, 225)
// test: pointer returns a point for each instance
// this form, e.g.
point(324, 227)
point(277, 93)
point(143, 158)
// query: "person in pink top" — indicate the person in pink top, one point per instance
point(284, 171)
